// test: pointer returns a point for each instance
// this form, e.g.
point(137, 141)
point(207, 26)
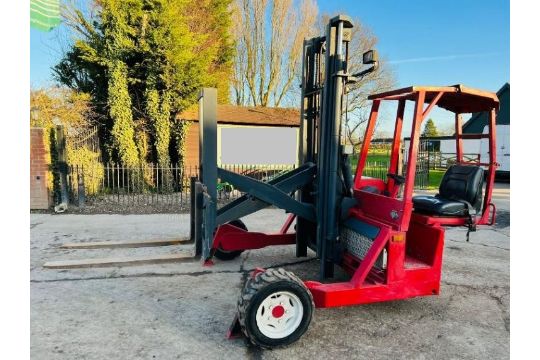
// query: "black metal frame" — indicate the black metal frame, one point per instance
point(329, 157)
point(256, 200)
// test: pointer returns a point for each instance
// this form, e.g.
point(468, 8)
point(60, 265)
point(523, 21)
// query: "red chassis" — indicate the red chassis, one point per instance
point(413, 242)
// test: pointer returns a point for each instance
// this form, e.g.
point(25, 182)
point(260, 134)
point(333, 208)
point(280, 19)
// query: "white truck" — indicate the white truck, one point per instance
point(472, 148)
point(503, 150)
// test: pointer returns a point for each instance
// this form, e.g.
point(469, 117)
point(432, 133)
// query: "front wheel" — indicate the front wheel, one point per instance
point(274, 309)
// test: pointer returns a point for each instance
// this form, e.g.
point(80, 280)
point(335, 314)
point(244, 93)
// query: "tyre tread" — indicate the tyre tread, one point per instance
point(255, 284)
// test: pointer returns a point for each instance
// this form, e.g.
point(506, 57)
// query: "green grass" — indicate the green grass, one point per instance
point(435, 177)
point(372, 157)
point(378, 158)
point(378, 155)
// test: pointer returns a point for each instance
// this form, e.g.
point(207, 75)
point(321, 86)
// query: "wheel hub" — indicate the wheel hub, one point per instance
point(278, 311)
point(279, 315)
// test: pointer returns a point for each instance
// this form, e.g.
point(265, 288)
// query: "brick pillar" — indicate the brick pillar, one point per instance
point(39, 170)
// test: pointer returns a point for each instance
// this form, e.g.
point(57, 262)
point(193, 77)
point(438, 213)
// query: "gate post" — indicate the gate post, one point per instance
point(192, 208)
point(62, 168)
point(80, 187)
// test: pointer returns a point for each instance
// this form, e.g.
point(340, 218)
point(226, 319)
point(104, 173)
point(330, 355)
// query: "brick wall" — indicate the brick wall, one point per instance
point(39, 168)
point(192, 146)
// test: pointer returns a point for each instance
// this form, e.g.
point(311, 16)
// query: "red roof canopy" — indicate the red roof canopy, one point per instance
point(456, 98)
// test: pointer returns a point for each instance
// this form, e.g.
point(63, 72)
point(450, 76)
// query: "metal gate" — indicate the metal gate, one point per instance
point(421, 178)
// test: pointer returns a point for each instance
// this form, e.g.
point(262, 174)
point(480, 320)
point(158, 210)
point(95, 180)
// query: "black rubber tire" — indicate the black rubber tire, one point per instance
point(259, 288)
point(230, 255)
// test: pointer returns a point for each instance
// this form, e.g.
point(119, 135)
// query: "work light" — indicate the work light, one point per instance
point(370, 57)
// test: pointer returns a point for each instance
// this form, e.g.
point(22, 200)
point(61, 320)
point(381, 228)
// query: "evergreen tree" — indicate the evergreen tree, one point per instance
point(430, 130)
point(161, 52)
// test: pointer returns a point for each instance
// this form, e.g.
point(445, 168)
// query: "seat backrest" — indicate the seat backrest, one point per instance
point(463, 182)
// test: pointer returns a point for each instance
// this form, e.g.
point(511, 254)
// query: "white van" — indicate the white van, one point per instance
point(503, 150)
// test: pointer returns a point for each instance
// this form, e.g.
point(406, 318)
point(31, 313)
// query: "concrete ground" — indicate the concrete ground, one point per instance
point(182, 311)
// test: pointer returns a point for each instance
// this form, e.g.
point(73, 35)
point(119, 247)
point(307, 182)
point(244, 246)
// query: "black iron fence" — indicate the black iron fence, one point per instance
point(151, 185)
point(379, 170)
point(156, 187)
point(376, 169)
point(421, 176)
point(87, 138)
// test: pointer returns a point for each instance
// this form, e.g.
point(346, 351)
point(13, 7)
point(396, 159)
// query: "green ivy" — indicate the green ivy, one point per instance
point(142, 142)
point(180, 130)
point(86, 163)
point(119, 102)
point(162, 51)
point(159, 113)
point(54, 167)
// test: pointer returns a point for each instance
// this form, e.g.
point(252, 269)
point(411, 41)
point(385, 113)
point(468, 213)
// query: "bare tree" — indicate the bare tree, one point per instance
point(269, 36)
point(239, 72)
point(357, 105)
point(447, 129)
point(378, 81)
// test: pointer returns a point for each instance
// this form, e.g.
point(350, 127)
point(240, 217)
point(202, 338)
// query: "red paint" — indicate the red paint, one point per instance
point(413, 269)
point(287, 224)
point(413, 148)
point(381, 208)
point(256, 271)
point(413, 242)
point(369, 181)
point(229, 238)
point(396, 256)
point(367, 140)
point(433, 102)
point(459, 139)
point(367, 264)
point(278, 311)
point(392, 188)
point(208, 263)
point(345, 294)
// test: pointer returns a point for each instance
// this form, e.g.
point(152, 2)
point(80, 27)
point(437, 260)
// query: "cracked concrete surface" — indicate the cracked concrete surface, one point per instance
point(183, 310)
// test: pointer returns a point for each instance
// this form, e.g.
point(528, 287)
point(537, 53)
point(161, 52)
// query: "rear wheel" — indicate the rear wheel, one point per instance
point(230, 255)
point(274, 309)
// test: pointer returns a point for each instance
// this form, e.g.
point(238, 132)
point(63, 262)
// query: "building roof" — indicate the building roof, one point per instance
point(244, 115)
point(477, 122)
point(455, 98)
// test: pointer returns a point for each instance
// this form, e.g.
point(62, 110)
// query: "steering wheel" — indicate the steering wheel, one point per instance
point(397, 178)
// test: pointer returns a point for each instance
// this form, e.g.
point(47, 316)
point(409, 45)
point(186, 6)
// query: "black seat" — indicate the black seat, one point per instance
point(459, 193)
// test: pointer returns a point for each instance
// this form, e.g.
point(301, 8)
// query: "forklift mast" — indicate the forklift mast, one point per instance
point(324, 78)
point(318, 191)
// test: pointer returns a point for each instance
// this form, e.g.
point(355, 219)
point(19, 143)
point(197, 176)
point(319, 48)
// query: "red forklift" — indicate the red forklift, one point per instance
point(388, 242)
